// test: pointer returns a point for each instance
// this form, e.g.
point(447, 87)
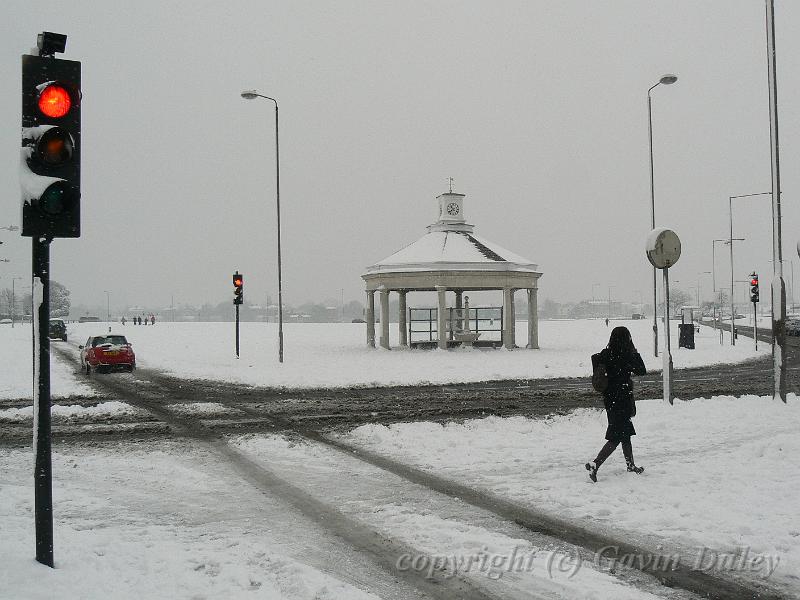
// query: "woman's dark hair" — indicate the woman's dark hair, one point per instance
point(620, 341)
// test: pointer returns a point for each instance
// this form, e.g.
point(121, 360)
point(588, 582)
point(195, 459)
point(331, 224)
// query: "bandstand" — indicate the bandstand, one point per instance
point(450, 260)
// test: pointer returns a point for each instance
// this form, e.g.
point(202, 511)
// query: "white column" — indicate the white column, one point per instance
point(459, 305)
point(402, 318)
point(533, 318)
point(371, 318)
point(513, 319)
point(442, 316)
point(384, 317)
point(508, 318)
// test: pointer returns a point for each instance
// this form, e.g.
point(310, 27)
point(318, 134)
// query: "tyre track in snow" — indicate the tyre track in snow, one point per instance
point(697, 582)
point(381, 551)
point(683, 577)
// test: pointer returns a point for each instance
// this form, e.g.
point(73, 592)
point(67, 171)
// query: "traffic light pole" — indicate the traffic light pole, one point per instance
point(237, 330)
point(42, 442)
point(755, 323)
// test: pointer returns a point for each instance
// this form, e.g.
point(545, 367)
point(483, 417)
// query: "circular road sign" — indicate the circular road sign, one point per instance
point(663, 248)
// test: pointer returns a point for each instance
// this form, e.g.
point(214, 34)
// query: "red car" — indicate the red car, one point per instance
point(107, 352)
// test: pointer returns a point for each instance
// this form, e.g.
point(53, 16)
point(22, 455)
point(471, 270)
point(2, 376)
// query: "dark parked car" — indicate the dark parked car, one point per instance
point(58, 329)
point(793, 327)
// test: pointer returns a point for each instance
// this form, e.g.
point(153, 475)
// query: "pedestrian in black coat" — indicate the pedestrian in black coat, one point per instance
point(621, 360)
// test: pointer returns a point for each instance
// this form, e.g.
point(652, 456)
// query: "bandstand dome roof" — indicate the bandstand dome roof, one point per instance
point(450, 247)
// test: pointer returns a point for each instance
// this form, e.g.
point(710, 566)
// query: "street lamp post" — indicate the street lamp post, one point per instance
point(714, 261)
point(778, 286)
point(666, 80)
point(251, 95)
point(730, 219)
point(699, 273)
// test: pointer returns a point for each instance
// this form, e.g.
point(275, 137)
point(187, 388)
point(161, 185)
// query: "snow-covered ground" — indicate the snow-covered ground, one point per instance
point(332, 355)
point(720, 473)
point(165, 520)
point(172, 520)
point(16, 351)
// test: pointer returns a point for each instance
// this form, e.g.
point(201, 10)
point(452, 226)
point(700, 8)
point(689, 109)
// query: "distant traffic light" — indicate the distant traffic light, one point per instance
point(51, 132)
point(238, 288)
point(753, 287)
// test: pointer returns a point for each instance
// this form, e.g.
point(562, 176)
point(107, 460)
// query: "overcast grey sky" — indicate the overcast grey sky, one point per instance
point(536, 109)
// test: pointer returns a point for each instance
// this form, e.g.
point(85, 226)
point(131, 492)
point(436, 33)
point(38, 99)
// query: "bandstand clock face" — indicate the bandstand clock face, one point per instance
point(452, 209)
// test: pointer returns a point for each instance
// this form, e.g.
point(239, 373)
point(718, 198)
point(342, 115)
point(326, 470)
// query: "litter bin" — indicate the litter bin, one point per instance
point(686, 337)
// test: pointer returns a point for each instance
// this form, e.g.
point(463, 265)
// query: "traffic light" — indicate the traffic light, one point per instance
point(238, 288)
point(51, 135)
point(753, 287)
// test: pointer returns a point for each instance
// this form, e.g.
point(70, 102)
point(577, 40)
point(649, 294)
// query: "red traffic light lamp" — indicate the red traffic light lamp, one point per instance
point(753, 287)
point(55, 101)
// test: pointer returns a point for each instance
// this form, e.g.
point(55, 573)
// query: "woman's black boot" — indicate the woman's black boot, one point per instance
point(592, 468)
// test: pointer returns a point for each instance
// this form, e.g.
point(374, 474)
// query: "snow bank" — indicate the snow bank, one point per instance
point(16, 358)
point(75, 412)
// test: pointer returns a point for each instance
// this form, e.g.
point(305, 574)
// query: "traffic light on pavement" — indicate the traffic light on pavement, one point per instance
point(51, 137)
point(753, 287)
point(238, 288)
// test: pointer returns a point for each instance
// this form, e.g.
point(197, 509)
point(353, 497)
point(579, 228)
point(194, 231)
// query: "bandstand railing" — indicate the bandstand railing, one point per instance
point(487, 322)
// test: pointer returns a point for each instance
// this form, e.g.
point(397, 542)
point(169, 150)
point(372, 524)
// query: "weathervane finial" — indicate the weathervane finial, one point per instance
point(450, 180)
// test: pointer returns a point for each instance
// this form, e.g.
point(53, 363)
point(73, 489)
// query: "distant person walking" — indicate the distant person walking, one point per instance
point(152, 319)
point(123, 321)
point(621, 360)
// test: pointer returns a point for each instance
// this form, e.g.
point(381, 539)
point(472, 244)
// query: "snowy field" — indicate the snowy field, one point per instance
point(335, 355)
point(720, 473)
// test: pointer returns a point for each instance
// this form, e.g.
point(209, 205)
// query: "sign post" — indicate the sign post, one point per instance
point(663, 249)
